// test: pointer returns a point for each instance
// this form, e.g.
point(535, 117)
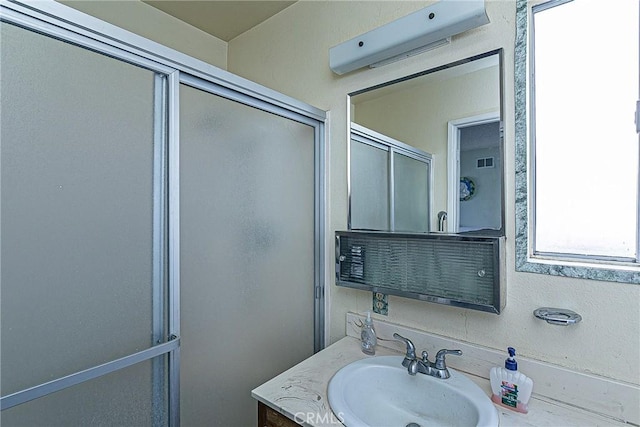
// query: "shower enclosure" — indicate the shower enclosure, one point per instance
point(247, 225)
point(161, 229)
point(84, 245)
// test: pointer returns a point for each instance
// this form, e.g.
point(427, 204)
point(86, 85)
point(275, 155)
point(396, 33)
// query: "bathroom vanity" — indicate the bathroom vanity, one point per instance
point(300, 393)
point(269, 417)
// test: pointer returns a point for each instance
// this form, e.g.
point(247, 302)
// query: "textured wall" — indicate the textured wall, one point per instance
point(289, 53)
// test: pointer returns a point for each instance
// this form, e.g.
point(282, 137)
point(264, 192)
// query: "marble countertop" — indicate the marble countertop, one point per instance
point(300, 393)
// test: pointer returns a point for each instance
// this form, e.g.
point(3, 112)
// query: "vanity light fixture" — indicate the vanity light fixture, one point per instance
point(415, 33)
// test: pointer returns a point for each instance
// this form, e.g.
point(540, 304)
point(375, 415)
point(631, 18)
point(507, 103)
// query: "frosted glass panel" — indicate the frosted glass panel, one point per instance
point(76, 188)
point(247, 254)
point(411, 194)
point(122, 398)
point(369, 187)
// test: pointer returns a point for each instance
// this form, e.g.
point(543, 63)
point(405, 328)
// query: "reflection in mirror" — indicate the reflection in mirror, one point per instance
point(390, 183)
point(478, 166)
point(453, 115)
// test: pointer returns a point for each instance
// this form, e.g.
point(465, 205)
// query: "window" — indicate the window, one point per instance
point(583, 158)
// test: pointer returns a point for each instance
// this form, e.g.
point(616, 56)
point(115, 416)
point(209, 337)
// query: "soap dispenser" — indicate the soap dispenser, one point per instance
point(368, 338)
point(510, 388)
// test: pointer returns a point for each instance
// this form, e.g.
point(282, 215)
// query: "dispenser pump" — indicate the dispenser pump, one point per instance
point(510, 363)
point(368, 320)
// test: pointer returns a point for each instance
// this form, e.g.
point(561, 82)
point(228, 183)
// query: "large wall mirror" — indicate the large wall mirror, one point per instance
point(426, 151)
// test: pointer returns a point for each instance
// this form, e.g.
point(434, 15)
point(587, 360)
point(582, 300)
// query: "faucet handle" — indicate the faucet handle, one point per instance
point(411, 349)
point(440, 357)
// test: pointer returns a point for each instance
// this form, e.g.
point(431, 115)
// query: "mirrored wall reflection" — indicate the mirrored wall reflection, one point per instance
point(369, 185)
point(480, 165)
point(390, 183)
point(411, 193)
point(453, 112)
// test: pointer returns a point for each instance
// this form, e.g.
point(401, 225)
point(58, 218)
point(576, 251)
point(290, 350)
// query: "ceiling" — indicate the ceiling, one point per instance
point(222, 19)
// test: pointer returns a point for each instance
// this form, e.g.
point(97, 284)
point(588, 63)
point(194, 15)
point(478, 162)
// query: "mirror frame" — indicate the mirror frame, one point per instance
point(500, 53)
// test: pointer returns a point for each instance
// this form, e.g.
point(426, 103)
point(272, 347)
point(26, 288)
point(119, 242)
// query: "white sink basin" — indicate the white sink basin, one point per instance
point(378, 391)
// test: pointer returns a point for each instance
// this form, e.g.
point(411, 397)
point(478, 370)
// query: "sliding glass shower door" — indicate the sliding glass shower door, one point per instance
point(111, 146)
point(84, 314)
point(248, 212)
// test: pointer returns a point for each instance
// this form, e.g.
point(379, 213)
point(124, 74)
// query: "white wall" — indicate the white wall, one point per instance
point(289, 53)
point(149, 22)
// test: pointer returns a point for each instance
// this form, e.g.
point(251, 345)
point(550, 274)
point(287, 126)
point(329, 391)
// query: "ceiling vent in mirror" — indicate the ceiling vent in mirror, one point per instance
point(485, 162)
point(426, 28)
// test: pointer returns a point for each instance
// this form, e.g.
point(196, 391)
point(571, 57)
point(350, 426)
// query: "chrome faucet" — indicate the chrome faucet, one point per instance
point(414, 365)
point(442, 217)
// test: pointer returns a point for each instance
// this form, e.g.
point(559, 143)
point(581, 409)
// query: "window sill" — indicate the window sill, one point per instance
point(582, 269)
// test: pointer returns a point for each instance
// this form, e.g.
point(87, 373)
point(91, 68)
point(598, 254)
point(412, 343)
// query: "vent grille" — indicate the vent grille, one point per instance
point(448, 268)
point(485, 162)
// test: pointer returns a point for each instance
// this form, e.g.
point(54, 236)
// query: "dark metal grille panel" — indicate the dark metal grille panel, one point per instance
point(449, 269)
